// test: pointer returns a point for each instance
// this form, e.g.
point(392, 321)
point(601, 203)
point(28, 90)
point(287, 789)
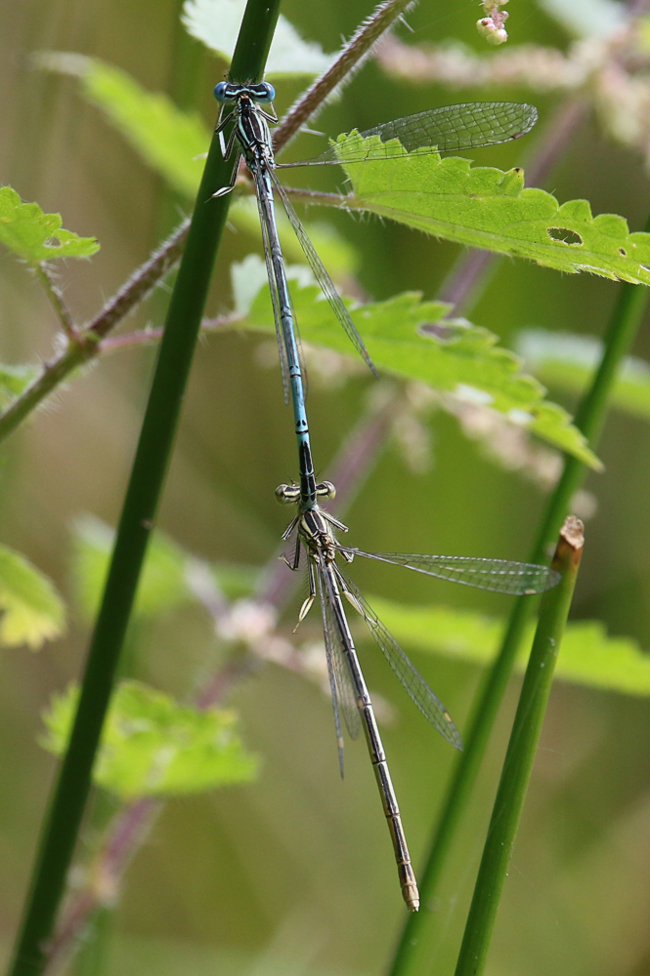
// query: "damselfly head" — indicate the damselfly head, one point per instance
point(287, 494)
point(226, 91)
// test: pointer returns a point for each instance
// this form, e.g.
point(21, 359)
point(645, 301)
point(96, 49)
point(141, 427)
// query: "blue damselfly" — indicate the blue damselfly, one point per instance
point(451, 128)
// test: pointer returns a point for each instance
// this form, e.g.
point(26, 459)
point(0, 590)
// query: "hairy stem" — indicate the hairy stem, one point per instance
point(358, 48)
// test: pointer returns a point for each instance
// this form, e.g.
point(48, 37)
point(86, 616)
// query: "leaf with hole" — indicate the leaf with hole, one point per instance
point(483, 207)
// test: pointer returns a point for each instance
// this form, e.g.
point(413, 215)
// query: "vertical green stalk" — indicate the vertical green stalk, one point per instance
point(518, 764)
point(137, 520)
point(413, 947)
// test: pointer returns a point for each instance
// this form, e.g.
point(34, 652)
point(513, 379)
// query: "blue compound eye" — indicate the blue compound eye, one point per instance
point(267, 94)
point(221, 91)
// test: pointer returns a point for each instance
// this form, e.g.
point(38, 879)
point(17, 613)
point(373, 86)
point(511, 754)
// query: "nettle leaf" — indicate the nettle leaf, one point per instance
point(568, 361)
point(163, 585)
point(487, 208)
point(410, 338)
point(32, 610)
point(35, 236)
point(216, 24)
point(588, 656)
point(152, 746)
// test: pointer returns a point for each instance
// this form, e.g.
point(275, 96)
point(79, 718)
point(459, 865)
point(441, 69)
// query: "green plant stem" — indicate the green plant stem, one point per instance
point(518, 763)
point(147, 476)
point(414, 943)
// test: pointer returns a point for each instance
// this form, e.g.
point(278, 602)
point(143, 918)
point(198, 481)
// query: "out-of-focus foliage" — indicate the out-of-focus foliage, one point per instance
point(589, 655)
point(567, 361)
point(152, 746)
point(32, 612)
point(216, 23)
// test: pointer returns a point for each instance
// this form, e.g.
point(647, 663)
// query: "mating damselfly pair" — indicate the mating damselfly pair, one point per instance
point(454, 128)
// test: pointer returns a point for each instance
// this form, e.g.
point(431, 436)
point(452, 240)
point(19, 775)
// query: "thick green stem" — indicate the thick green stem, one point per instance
point(414, 945)
point(147, 476)
point(518, 764)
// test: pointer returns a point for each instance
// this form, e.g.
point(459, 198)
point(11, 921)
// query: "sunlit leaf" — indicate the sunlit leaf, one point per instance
point(568, 361)
point(451, 356)
point(152, 746)
point(35, 236)
point(588, 656)
point(216, 24)
point(487, 208)
point(163, 584)
point(32, 610)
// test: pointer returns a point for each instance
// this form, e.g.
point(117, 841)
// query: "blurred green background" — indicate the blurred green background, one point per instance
point(294, 873)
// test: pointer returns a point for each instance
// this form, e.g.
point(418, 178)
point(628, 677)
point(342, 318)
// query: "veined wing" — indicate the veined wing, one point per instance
point(411, 679)
point(322, 277)
point(343, 696)
point(450, 128)
point(499, 575)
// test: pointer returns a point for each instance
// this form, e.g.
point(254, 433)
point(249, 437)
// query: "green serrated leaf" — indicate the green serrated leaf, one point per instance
point(152, 746)
point(452, 356)
point(216, 24)
point(32, 610)
point(568, 361)
point(589, 655)
point(163, 585)
point(486, 208)
point(35, 236)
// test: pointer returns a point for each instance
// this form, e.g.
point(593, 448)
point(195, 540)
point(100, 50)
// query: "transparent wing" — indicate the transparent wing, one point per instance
point(447, 129)
point(326, 284)
point(275, 301)
point(341, 684)
point(499, 575)
point(411, 679)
